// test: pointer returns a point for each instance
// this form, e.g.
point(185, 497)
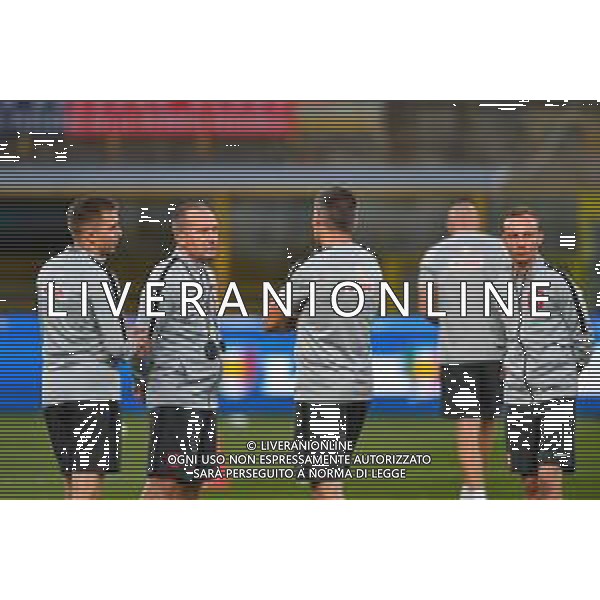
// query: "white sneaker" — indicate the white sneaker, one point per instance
point(470, 493)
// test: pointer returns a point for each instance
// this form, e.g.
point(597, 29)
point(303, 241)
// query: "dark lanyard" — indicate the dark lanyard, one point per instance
point(210, 318)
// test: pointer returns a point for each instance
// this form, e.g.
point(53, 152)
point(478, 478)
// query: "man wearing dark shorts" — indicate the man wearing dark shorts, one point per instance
point(181, 358)
point(470, 344)
point(548, 343)
point(83, 344)
point(325, 422)
point(333, 352)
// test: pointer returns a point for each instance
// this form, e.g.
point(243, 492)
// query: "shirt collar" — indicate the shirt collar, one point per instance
point(181, 254)
point(74, 248)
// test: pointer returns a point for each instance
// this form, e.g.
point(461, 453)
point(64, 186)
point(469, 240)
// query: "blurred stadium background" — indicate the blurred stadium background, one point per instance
point(260, 164)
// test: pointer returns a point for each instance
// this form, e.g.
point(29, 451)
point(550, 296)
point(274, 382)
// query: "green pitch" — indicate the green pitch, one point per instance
point(28, 471)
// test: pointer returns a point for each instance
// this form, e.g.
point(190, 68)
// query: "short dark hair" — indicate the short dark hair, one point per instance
point(84, 210)
point(182, 208)
point(521, 211)
point(463, 202)
point(339, 204)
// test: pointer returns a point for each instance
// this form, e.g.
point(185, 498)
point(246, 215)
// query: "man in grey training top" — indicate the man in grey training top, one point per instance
point(469, 347)
point(333, 353)
point(182, 353)
point(83, 344)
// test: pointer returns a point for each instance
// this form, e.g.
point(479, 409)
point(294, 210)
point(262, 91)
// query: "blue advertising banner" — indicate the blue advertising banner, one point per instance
point(258, 368)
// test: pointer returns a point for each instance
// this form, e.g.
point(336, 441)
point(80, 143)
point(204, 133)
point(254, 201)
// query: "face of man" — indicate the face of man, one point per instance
point(463, 219)
point(104, 232)
point(198, 234)
point(522, 237)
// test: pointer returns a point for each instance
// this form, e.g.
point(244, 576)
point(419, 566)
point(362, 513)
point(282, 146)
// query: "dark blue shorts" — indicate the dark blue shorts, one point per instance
point(179, 440)
point(85, 436)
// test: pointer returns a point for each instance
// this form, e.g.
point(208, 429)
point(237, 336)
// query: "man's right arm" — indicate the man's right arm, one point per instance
point(499, 273)
point(427, 273)
point(142, 335)
point(276, 320)
point(577, 319)
point(141, 330)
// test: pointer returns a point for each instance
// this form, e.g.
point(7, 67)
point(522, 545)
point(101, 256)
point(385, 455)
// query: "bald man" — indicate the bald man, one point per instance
point(183, 358)
point(470, 348)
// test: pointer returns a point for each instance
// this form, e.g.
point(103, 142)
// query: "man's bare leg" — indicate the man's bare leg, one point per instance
point(159, 488)
point(550, 480)
point(328, 490)
point(469, 445)
point(487, 441)
point(187, 491)
point(86, 486)
point(532, 487)
point(68, 488)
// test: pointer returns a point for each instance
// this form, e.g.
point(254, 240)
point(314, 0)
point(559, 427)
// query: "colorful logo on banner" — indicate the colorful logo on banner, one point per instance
point(239, 374)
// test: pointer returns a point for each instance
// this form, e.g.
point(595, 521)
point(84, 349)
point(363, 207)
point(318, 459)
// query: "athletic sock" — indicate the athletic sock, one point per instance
point(468, 492)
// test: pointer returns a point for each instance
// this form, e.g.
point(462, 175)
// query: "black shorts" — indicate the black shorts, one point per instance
point(541, 432)
point(339, 422)
point(85, 436)
point(472, 390)
point(182, 442)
